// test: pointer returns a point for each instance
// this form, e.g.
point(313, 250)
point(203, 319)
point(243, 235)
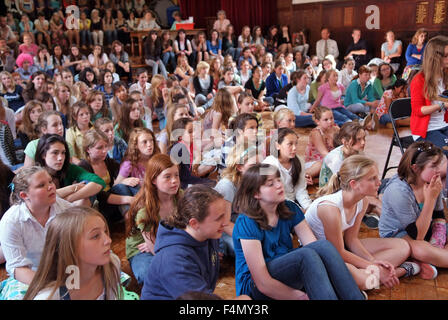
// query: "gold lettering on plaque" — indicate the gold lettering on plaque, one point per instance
point(439, 12)
point(421, 12)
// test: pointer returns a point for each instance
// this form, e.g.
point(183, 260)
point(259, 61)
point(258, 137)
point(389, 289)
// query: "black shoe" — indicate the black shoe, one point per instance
point(371, 221)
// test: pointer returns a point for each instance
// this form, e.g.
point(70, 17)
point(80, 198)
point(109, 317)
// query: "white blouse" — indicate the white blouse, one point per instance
point(22, 237)
point(292, 192)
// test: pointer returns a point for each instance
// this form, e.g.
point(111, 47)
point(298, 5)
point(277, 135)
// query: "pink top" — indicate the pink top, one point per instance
point(382, 108)
point(127, 170)
point(221, 26)
point(31, 49)
point(311, 152)
point(331, 99)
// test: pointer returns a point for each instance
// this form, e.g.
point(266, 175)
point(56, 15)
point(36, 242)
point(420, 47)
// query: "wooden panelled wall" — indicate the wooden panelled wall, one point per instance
point(404, 17)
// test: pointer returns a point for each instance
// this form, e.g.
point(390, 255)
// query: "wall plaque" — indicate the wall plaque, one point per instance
point(439, 12)
point(422, 12)
point(348, 16)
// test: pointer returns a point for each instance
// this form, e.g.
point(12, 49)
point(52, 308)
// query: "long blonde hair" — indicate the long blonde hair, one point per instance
point(238, 155)
point(417, 34)
point(432, 66)
point(354, 167)
point(62, 250)
point(281, 114)
point(3, 89)
point(64, 108)
point(156, 81)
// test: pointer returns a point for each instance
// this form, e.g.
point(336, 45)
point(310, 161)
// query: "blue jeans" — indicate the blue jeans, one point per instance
point(438, 137)
point(318, 269)
point(305, 121)
point(234, 52)
point(358, 108)
point(124, 190)
point(110, 35)
point(155, 65)
point(269, 100)
point(342, 115)
point(161, 117)
point(169, 57)
point(226, 245)
point(385, 119)
point(86, 37)
point(201, 101)
point(140, 264)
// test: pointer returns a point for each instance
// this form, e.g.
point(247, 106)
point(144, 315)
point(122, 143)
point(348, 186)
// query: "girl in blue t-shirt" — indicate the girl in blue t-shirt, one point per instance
point(267, 265)
point(214, 46)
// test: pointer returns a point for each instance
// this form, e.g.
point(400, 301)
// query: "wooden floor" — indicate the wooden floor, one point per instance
point(409, 289)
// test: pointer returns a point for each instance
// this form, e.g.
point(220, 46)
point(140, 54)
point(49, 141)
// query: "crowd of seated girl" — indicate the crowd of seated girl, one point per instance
point(200, 161)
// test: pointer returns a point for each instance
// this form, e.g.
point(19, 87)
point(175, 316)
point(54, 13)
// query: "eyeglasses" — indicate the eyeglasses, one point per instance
point(420, 150)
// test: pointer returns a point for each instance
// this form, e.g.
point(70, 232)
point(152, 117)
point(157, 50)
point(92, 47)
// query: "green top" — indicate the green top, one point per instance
point(100, 115)
point(378, 88)
point(78, 174)
point(313, 91)
point(134, 240)
point(31, 148)
point(119, 132)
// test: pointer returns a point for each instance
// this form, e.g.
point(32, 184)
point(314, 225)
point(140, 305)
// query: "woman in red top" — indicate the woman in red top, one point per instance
point(429, 118)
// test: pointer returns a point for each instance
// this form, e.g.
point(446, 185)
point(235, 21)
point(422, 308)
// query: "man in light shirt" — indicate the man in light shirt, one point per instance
point(326, 46)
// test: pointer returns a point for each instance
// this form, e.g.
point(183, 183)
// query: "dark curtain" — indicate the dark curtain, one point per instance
point(199, 9)
point(239, 12)
point(250, 12)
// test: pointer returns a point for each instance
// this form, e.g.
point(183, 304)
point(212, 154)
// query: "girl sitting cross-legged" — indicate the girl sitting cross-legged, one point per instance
point(337, 215)
point(267, 266)
point(96, 145)
point(321, 140)
point(413, 209)
point(142, 146)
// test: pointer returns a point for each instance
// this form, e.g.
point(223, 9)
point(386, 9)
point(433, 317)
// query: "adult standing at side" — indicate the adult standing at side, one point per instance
point(429, 117)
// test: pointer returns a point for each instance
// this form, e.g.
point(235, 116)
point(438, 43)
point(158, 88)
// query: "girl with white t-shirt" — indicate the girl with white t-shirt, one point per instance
point(24, 226)
point(291, 167)
point(336, 216)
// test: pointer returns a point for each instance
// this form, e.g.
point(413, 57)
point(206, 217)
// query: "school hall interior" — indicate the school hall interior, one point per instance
point(374, 19)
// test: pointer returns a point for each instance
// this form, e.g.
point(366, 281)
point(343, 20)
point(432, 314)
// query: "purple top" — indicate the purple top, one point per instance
point(331, 99)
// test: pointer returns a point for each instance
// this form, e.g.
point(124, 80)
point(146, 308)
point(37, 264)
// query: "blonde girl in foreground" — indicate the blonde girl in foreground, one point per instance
point(77, 237)
point(337, 215)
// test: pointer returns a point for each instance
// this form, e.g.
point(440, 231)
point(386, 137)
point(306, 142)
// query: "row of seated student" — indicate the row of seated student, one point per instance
point(84, 146)
point(104, 24)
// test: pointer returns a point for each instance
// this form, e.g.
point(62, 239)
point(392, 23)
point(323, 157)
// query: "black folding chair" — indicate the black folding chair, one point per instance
point(399, 109)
